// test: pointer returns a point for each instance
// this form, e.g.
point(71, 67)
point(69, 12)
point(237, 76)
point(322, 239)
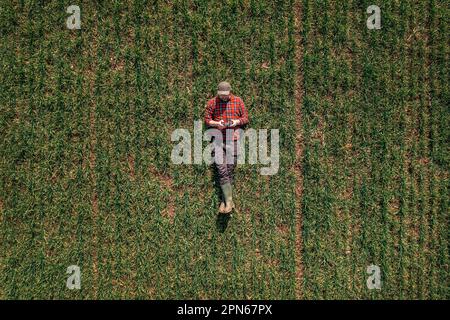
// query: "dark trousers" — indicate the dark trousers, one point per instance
point(225, 169)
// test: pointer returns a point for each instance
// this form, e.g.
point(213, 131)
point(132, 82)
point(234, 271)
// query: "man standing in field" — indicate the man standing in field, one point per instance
point(227, 113)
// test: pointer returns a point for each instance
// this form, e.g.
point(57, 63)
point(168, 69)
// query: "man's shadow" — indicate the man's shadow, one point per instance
point(222, 219)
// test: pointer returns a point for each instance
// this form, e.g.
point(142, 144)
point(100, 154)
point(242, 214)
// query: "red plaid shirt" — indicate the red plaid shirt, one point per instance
point(233, 109)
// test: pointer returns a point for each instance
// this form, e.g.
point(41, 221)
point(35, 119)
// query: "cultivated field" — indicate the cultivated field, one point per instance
point(376, 149)
point(85, 171)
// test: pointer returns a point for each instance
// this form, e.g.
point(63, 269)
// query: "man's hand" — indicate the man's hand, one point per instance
point(234, 123)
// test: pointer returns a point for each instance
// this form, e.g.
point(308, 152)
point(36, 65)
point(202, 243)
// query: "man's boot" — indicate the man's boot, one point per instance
point(222, 207)
point(228, 196)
